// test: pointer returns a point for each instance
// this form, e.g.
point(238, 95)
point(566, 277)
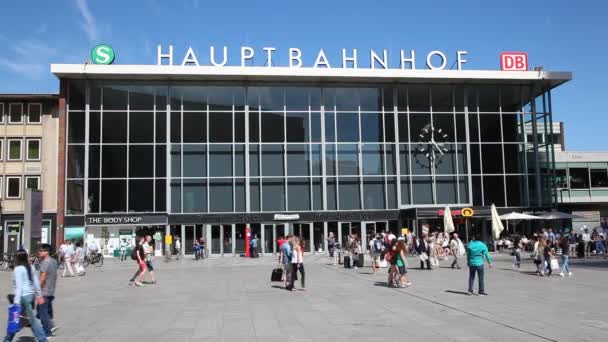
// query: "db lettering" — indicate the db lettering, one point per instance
point(514, 61)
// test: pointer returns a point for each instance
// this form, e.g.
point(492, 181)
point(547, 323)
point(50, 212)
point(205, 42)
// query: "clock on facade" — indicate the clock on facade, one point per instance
point(431, 146)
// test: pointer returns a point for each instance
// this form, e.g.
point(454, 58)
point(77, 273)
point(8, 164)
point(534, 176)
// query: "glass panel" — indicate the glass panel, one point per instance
point(223, 98)
point(579, 178)
point(76, 161)
point(268, 98)
point(372, 160)
point(195, 161)
point(141, 97)
point(347, 98)
point(74, 196)
point(176, 127)
point(272, 160)
point(114, 162)
point(299, 193)
point(348, 161)
point(34, 112)
point(489, 126)
point(220, 127)
point(76, 95)
point(254, 160)
point(141, 127)
point(371, 127)
point(390, 160)
point(315, 124)
point(599, 178)
point(192, 97)
point(239, 196)
point(422, 189)
point(477, 199)
point(220, 193)
point(239, 160)
point(494, 190)
point(446, 162)
point(273, 194)
point(443, 128)
point(391, 193)
point(114, 196)
point(94, 198)
point(161, 127)
point(330, 127)
point(488, 99)
point(389, 127)
point(373, 193)
point(516, 186)
point(404, 159)
point(403, 128)
point(447, 190)
point(114, 127)
point(141, 161)
point(349, 127)
point(349, 193)
point(331, 194)
point(317, 194)
point(514, 158)
point(371, 99)
point(195, 127)
point(94, 154)
point(195, 196)
point(405, 190)
point(140, 196)
point(442, 98)
point(297, 160)
point(161, 160)
point(254, 196)
point(94, 127)
point(272, 127)
point(176, 196)
point(316, 160)
point(418, 98)
point(115, 97)
point(220, 160)
point(76, 124)
point(14, 187)
point(254, 126)
point(161, 195)
point(297, 127)
point(239, 127)
point(492, 158)
point(330, 160)
point(95, 96)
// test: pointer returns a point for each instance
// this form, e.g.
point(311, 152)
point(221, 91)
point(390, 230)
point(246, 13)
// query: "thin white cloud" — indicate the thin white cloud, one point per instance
point(29, 70)
point(88, 21)
point(33, 48)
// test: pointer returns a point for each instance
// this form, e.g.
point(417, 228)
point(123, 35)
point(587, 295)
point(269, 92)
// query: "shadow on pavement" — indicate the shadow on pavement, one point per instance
point(458, 292)
point(381, 283)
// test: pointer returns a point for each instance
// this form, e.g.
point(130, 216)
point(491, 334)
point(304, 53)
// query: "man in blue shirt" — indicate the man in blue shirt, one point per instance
point(476, 252)
point(286, 255)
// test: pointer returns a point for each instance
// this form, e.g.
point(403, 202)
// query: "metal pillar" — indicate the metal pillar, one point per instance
point(183, 240)
point(325, 235)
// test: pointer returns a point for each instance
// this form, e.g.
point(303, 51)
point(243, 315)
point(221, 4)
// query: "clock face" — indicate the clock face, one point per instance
point(431, 146)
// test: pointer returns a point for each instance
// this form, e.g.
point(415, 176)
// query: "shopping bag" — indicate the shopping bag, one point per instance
point(424, 257)
point(13, 325)
point(554, 264)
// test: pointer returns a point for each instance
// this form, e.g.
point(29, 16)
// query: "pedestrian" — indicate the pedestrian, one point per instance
point(68, 255)
point(423, 250)
point(400, 262)
point(254, 246)
point(203, 244)
point(286, 261)
point(79, 259)
point(149, 254)
point(178, 247)
point(516, 252)
point(123, 249)
point(548, 255)
point(586, 238)
point(27, 292)
point(295, 246)
point(355, 250)
point(48, 280)
point(376, 248)
point(331, 244)
point(197, 249)
point(299, 253)
point(391, 258)
point(476, 252)
point(457, 250)
point(139, 256)
point(539, 256)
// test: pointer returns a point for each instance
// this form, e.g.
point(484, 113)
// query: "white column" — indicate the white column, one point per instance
point(183, 239)
point(312, 236)
point(325, 235)
point(233, 239)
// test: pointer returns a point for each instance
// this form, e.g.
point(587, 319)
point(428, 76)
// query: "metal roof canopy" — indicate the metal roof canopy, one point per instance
point(350, 75)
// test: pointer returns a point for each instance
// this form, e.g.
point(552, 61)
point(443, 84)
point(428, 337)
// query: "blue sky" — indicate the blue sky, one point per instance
point(558, 35)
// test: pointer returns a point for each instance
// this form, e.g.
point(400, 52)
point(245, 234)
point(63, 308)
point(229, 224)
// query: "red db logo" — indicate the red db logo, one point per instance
point(514, 61)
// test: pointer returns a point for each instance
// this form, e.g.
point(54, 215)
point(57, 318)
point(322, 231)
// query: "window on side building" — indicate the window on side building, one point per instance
point(599, 178)
point(13, 187)
point(32, 182)
point(34, 113)
point(33, 149)
point(579, 178)
point(14, 149)
point(15, 113)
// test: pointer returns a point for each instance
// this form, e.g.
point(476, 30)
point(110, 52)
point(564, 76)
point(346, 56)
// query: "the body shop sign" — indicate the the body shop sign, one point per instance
point(123, 220)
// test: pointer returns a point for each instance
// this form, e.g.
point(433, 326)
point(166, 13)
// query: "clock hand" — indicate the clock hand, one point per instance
point(439, 148)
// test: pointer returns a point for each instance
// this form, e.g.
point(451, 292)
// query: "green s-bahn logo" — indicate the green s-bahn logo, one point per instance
point(102, 54)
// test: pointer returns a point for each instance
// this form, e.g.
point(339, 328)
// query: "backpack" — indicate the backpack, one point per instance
point(389, 256)
point(134, 254)
point(378, 246)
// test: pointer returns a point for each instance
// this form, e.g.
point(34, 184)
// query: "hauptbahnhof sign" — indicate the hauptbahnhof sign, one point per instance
point(350, 58)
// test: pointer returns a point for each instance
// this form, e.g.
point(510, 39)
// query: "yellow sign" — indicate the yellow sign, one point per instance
point(405, 231)
point(467, 212)
point(168, 239)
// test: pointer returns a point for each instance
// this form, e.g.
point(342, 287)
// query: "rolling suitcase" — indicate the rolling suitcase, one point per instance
point(360, 258)
point(277, 274)
point(346, 261)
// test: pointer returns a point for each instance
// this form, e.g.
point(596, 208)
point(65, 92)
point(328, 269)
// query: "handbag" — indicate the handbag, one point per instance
point(424, 257)
point(14, 321)
point(554, 264)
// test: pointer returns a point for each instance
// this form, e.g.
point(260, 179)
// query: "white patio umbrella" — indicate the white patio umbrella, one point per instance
point(497, 226)
point(513, 216)
point(556, 215)
point(448, 222)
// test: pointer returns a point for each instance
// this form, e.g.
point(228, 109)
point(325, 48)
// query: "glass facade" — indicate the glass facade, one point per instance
point(239, 147)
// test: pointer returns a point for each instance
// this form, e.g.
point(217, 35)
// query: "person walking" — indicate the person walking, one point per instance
point(539, 256)
point(27, 292)
point(299, 253)
point(79, 259)
point(401, 250)
point(178, 247)
point(586, 238)
point(48, 280)
point(457, 250)
point(516, 252)
point(295, 245)
point(331, 244)
point(548, 254)
point(476, 252)
point(123, 249)
point(139, 256)
point(68, 256)
point(376, 247)
point(254, 246)
point(286, 261)
point(149, 253)
point(424, 251)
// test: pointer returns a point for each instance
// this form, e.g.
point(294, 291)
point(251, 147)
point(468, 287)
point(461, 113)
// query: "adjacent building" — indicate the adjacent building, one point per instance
point(28, 160)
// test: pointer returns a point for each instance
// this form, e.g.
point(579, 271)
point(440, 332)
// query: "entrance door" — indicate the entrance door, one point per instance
point(188, 243)
point(302, 230)
point(12, 238)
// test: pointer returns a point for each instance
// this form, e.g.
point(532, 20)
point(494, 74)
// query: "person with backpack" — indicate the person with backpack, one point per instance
point(139, 256)
point(286, 260)
point(376, 247)
point(27, 293)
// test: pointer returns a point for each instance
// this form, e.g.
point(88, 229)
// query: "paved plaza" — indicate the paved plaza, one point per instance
point(232, 299)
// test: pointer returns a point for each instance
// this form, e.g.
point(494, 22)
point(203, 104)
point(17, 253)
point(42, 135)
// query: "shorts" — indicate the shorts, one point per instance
point(149, 265)
point(142, 267)
point(402, 270)
point(375, 256)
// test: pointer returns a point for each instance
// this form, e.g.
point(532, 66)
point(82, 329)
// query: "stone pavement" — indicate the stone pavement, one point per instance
point(232, 299)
